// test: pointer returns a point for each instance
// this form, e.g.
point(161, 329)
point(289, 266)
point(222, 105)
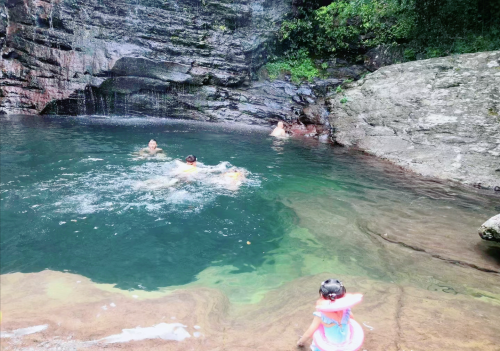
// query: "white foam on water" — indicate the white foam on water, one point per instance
point(24, 331)
point(165, 331)
point(153, 187)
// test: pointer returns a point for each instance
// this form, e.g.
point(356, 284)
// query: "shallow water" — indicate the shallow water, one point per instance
point(72, 201)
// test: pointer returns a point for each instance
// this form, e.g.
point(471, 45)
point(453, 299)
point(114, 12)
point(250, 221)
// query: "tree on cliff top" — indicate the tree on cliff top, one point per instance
point(427, 28)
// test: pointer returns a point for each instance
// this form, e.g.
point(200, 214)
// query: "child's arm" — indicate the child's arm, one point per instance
point(310, 331)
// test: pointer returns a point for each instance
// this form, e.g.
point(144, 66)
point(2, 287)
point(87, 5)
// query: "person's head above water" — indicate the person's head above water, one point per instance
point(280, 124)
point(233, 173)
point(332, 289)
point(191, 160)
point(152, 144)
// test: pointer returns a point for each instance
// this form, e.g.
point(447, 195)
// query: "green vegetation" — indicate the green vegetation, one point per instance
point(300, 67)
point(420, 28)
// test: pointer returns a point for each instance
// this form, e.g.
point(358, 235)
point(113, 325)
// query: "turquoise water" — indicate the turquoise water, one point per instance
point(71, 200)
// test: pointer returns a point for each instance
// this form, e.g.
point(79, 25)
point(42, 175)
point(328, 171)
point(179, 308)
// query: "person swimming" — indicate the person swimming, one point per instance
point(190, 167)
point(279, 131)
point(233, 178)
point(233, 173)
point(152, 149)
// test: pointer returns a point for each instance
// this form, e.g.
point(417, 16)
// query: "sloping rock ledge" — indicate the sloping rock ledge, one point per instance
point(437, 117)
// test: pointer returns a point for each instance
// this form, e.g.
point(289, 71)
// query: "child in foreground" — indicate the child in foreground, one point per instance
point(333, 327)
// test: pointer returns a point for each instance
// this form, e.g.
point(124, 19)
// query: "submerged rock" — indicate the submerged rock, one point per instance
point(437, 117)
point(490, 230)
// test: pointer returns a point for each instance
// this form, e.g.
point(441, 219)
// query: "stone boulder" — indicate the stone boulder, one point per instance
point(490, 230)
point(383, 55)
point(438, 117)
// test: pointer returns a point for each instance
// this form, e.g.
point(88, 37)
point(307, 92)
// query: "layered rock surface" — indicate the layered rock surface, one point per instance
point(437, 117)
point(168, 58)
point(66, 49)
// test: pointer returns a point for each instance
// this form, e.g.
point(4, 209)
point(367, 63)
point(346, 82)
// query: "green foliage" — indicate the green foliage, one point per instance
point(300, 67)
point(410, 54)
point(424, 28)
point(339, 90)
point(348, 26)
point(344, 100)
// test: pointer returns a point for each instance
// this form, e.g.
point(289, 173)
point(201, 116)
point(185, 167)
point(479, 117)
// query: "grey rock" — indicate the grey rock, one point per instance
point(315, 114)
point(141, 67)
point(437, 117)
point(323, 87)
point(71, 46)
point(305, 91)
point(383, 55)
point(490, 230)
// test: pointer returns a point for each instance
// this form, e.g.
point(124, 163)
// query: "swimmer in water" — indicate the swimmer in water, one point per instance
point(233, 173)
point(187, 168)
point(152, 149)
point(233, 178)
point(279, 131)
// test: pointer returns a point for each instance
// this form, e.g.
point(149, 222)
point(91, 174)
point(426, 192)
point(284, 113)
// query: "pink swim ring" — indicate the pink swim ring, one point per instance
point(356, 333)
point(354, 342)
point(345, 302)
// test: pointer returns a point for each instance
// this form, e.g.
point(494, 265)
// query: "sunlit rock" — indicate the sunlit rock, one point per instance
point(490, 230)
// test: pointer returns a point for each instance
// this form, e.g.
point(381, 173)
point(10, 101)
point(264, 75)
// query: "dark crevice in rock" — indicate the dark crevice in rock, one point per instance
point(10, 55)
point(452, 261)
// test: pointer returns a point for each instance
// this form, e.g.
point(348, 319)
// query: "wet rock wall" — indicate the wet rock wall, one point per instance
point(99, 56)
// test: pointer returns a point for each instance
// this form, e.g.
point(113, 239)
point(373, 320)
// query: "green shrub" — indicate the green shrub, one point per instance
point(348, 26)
point(300, 67)
point(424, 28)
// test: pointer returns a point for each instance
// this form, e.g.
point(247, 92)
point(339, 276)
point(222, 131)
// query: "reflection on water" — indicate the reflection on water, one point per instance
point(75, 199)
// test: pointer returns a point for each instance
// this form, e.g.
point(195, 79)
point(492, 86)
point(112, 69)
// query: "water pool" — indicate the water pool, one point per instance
point(70, 202)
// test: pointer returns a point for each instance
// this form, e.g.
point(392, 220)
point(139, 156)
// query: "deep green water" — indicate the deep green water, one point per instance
point(70, 202)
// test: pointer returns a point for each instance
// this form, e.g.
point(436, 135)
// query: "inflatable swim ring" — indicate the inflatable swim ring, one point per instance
point(356, 338)
point(341, 304)
point(356, 334)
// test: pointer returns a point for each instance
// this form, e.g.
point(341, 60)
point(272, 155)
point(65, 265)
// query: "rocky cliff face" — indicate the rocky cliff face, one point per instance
point(438, 117)
point(156, 57)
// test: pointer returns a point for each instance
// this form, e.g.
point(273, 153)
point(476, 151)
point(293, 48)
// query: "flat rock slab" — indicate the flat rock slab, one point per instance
point(82, 315)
